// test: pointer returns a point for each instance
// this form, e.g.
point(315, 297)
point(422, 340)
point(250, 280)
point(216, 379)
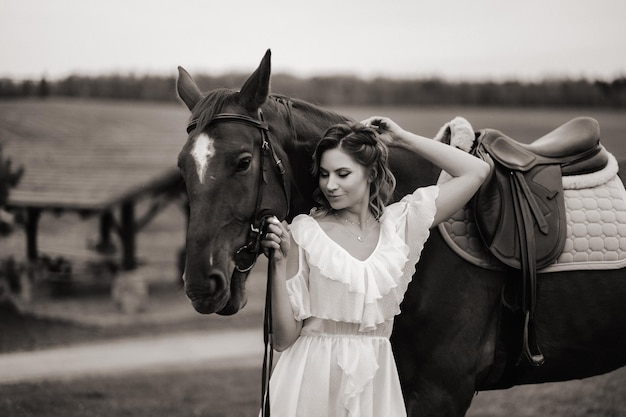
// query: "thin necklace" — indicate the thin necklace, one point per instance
point(359, 237)
point(369, 219)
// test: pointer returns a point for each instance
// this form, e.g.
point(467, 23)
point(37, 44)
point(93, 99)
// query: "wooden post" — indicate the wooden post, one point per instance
point(105, 245)
point(128, 234)
point(32, 220)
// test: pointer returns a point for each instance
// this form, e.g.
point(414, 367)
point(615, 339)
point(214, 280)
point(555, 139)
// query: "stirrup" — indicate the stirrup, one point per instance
point(537, 358)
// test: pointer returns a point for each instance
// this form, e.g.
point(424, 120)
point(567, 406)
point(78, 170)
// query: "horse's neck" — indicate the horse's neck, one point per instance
point(305, 127)
point(310, 122)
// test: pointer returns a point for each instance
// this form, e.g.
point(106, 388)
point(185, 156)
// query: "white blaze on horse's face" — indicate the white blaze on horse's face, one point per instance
point(202, 152)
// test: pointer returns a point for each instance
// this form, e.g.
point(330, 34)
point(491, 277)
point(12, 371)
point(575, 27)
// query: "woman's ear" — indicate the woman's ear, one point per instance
point(372, 176)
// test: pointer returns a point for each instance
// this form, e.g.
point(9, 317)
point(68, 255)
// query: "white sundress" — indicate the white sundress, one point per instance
point(342, 364)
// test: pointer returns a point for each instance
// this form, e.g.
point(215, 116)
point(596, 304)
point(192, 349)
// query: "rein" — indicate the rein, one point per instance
point(246, 256)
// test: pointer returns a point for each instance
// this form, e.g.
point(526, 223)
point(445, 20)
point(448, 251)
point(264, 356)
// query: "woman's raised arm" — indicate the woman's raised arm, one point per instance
point(468, 172)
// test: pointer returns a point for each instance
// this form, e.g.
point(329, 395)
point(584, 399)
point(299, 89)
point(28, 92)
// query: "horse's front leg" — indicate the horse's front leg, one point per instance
point(437, 401)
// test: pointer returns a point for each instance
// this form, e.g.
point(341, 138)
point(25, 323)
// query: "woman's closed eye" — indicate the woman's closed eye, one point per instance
point(340, 173)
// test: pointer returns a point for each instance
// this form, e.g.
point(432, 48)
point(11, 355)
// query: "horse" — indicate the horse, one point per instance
point(248, 154)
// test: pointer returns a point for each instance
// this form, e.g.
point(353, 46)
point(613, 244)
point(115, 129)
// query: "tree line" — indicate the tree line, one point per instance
point(342, 90)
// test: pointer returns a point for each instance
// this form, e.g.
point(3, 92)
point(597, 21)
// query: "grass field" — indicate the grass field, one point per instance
point(235, 392)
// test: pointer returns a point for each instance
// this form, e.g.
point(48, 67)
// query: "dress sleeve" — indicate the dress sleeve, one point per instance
point(419, 211)
point(413, 217)
point(298, 289)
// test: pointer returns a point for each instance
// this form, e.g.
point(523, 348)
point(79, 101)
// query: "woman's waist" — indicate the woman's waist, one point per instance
point(315, 326)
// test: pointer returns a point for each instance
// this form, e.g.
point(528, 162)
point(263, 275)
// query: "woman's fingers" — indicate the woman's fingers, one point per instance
point(276, 236)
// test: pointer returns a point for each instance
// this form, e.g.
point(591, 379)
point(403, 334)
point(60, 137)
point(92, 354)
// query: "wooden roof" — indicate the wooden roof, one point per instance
point(90, 155)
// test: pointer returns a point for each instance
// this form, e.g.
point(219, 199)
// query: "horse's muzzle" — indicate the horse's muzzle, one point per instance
point(215, 294)
point(209, 294)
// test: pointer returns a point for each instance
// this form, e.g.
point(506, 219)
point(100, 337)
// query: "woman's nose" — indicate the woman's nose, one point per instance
point(331, 184)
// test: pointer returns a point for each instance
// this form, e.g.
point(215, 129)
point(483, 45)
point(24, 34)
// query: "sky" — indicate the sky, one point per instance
point(452, 39)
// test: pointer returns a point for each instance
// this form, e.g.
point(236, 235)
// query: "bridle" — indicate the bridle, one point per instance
point(246, 256)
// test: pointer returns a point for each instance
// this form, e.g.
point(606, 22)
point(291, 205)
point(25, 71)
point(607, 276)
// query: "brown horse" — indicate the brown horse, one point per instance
point(248, 154)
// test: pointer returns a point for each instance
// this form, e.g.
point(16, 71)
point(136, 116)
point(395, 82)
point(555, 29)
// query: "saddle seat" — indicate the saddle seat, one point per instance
point(575, 146)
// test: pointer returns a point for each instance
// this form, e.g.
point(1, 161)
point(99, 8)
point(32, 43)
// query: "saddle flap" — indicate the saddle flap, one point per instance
point(497, 206)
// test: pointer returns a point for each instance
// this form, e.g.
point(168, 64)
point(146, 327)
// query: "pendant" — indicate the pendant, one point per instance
point(359, 238)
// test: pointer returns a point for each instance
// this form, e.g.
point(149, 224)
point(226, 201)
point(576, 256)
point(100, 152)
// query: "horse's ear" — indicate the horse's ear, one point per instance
point(256, 88)
point(187, 89)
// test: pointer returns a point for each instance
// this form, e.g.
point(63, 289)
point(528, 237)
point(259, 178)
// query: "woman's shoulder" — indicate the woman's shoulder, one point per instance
point(302, 225)
point(305, 222)
point(315, 215)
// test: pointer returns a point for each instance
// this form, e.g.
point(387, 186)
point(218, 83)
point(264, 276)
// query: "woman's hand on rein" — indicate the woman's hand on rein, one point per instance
point(276, 237)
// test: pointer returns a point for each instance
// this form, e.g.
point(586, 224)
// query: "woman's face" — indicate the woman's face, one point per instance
point(343, 181)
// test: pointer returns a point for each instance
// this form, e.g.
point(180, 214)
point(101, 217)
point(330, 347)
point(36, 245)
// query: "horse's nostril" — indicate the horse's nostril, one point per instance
point(211, 285)
point(215, 283)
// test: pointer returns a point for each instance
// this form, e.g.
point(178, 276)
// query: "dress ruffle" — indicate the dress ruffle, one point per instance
point(375, 286)
point(415, 214)
point(299, 296)
point(337, 375)
point(359, 364)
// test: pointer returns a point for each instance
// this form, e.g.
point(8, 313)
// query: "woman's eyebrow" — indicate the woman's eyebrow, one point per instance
point(337, 169)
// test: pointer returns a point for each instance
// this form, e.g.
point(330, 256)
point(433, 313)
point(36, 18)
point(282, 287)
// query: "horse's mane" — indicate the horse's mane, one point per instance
point(306, 107)
point(322, 117)
point(212, 104)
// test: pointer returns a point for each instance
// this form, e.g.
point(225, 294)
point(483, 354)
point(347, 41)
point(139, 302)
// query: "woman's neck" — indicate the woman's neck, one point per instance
point(360, 219)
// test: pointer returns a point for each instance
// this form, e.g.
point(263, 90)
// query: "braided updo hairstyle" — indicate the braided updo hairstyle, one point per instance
point(365, 147)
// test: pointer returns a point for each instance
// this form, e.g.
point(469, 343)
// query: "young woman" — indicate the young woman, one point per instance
point(341, 272)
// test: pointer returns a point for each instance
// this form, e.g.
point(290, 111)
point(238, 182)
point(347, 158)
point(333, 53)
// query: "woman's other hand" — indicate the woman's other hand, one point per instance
point(389, 131)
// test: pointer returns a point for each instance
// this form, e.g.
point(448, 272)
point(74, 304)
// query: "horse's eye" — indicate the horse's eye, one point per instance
point(244, 164)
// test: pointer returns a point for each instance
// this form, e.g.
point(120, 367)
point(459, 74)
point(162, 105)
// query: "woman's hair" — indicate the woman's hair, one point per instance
point(364, 146)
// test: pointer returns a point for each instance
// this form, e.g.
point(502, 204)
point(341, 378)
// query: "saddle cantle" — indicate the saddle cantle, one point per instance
point(520, 210)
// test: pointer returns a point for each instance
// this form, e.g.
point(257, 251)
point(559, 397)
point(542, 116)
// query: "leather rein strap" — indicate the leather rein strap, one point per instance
point(245, 257)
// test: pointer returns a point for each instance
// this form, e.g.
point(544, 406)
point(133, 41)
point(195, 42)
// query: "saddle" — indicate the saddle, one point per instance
point(520, 209)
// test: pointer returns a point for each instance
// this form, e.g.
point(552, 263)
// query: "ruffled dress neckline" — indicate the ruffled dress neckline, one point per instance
point(334, 242)
point(345, 287)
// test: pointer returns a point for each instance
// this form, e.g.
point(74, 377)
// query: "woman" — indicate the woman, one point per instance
point(342, 271)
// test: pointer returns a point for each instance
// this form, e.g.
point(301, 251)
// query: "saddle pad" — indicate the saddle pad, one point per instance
point(596, 230)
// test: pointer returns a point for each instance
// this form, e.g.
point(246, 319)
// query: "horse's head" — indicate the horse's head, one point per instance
point(8, 179)
point(230, 165)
